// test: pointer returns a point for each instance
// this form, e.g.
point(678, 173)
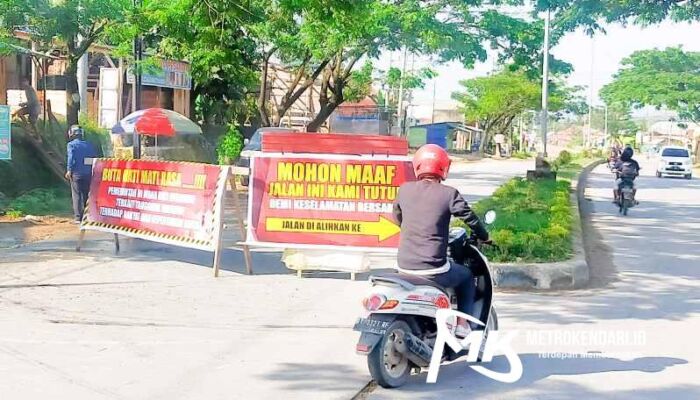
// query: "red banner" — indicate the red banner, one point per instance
point(169, 202)
point(337, 201)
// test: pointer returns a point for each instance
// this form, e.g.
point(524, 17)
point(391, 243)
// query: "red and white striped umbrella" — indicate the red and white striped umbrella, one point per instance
point(157, 122)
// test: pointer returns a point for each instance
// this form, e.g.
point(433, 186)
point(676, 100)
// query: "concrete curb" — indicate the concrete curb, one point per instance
point(573, 273)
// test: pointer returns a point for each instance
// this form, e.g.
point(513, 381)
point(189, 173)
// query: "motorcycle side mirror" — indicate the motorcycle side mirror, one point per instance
point(490, 217)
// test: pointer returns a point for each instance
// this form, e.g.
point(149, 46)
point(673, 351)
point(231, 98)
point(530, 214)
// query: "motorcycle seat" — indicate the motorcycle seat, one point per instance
point(415, 280)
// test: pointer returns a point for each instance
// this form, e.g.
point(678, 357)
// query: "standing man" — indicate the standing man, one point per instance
point(78, 173)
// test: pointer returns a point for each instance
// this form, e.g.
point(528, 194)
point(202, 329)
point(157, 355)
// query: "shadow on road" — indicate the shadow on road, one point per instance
point(316, 377)
point(536, 369)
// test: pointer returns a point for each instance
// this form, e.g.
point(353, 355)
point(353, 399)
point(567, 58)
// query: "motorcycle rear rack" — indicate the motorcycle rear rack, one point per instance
point(395, 281)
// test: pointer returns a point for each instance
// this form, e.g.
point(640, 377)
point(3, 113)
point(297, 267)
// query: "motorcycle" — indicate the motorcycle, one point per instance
point(626, 193)
point(399, 333)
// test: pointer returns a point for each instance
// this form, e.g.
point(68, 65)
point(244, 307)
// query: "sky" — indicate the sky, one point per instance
point(605, 51)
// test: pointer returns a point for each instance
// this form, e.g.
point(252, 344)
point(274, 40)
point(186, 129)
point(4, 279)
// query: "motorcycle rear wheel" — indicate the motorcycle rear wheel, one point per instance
point(388, 367)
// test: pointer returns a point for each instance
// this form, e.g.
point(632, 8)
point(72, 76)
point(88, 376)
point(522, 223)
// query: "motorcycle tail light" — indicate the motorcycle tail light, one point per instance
point(362, 348)
point(373, 302)
point(442, 302)
point(389, 304)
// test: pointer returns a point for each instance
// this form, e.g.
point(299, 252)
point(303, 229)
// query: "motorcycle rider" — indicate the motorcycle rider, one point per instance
point(627, 169)
point(423, 209)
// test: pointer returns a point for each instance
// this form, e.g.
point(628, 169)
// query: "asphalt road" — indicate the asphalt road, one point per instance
point(476, 180)
point(632, 337)
point(153, 324)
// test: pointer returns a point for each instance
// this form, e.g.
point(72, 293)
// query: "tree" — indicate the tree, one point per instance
point(391, 80)
point(496, 100)
point(662, 78)
point(213, 38)
point(590, 13)
point(328, 39)
point(620, 122)
point(70, 25)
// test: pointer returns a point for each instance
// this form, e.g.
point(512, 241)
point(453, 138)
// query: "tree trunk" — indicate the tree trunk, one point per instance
point(295, 91)
point(323, 114)
point(72, 95)
point(262, 98)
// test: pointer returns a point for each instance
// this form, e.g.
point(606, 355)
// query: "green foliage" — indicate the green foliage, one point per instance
point(496, 100)
point(570, 170)
point(574, 13)
point(620, 121)
point(391, 80)
point(76, 24)
point(662, 78)
point(230, 146)
point(96, 135)
point(497, 97)
point(534, 221)
point(41, 201)
point(360, 83)
point(564, 158)
point(212, 37)
point(522, 155)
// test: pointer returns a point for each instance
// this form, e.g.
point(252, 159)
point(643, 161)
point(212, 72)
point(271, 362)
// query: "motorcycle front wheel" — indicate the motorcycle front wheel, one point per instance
point(388, 367)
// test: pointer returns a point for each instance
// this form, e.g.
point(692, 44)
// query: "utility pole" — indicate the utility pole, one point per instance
point(82, 72)
point(138, 56)
point(590, 98)
point(389, 88)
point(606, 122)
point(545, 85)
point(400, 102)
point(432, 118)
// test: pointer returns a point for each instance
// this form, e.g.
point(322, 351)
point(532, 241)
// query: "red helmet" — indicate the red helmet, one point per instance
point(431, 159)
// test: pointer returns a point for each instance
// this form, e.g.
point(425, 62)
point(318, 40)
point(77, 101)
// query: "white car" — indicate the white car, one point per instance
point(674, 161)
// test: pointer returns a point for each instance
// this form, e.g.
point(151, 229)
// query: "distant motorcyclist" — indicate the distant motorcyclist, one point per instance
point(423, 210)
point(627, 169)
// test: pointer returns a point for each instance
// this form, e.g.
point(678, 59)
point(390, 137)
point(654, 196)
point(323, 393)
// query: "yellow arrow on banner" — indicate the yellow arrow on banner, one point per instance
point(383, 228)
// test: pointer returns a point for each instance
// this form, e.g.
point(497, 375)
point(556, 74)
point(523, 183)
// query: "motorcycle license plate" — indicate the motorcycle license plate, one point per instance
point(371, 326)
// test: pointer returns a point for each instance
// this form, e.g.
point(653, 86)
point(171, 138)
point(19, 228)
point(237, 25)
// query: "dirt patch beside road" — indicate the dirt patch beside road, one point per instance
point(18, 231)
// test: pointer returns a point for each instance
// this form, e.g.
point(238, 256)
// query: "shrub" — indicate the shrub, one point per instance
point(96, 135)
point(230, 146)
point(41, 202)
point(522, 155)
point(564, 157)
point(534, 220)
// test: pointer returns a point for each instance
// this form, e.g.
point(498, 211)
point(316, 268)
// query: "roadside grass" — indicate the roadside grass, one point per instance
point(522, 155)
point(41, 201)
point(535, 218)
point(571, 169)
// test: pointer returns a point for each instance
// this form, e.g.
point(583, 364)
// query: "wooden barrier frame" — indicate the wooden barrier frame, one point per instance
point(240, 215)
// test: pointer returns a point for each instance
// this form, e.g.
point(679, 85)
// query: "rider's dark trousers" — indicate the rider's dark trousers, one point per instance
point(461, 279)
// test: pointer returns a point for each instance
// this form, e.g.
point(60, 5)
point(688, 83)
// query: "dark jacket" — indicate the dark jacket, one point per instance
point(620, 163)
point(78, 150)
point(423, 210)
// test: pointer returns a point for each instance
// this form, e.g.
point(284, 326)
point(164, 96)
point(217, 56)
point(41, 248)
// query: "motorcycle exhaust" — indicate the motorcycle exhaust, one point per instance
point(415, 349)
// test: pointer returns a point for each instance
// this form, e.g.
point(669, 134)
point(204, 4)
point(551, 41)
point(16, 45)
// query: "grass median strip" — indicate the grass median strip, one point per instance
point(535, 218)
